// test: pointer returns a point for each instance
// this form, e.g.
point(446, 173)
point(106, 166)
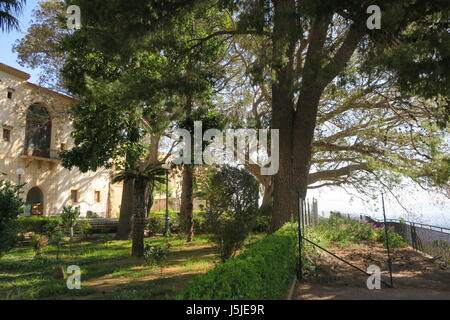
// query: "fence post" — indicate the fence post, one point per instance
point(300, 237)
point(387, 241)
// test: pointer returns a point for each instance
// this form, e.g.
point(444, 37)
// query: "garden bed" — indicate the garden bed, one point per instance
point(108, 271)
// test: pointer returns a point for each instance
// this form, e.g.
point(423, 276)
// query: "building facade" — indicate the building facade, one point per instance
point(35, 126)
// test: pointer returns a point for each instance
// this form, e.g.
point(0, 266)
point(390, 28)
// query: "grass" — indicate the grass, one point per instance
point(107, 270)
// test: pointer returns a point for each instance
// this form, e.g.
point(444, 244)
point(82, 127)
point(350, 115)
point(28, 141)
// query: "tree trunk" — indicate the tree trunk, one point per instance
point(186, 209)
point(126, 211)
point(149, 198)
point(284, 40)
point(139, 205)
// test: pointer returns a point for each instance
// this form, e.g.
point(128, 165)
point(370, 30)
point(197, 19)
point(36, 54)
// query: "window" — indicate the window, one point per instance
point(38, 131)
point(10, 94)
point(6, 134)
point(63, 147)
point(97, 196)
point(74, 196)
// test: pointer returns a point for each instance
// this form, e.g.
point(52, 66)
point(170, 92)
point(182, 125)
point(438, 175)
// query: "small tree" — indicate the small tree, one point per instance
point(144, 182)
point(10, 208)
point(233, 206)
point(69, 217)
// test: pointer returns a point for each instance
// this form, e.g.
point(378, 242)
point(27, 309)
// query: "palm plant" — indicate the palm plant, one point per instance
point(144, 180)
point(9, 9)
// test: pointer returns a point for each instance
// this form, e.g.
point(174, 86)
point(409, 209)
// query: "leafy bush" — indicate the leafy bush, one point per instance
point(47, 225)
point(82, 227)
point(38, 224)
point(154, 255)
point(262, 271)
point(261, 224)
point(157, 222)
point(10, 208)
point(92, 215)
point(69, 219)
point(395, 239)
point(345, 230)
point(233, 201)
point(39, 242)
point(56, 238)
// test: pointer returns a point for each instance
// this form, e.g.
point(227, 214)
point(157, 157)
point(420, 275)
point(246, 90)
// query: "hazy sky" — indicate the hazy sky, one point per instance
point(428, 208)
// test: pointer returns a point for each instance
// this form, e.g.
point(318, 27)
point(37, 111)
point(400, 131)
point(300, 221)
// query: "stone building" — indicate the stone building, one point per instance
point(35, 127)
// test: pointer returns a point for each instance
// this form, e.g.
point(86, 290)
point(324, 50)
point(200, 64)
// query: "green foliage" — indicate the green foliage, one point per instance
point(38, 49)
point(39, 242)
point(10, 208)
point(395, 239)
point(233, 201)
point(262, 271)
point(157, 222)
point(38, 224)
point(262, 223)
point(441, 245)
point(345, 231)
point(69, 218)
point(82, 227)
point(56, 238)
point(342, 230)
point(154, 255)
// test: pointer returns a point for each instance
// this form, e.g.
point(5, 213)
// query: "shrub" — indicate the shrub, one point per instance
point(262, 271)
point(154, 255)
point(69, 217)
point(82, 227)
point(395, 239)
point(233, 201)
point(56, 238)
point(48, 225)
point(10, 208)
point(157, 222)
point(262, 223)
point(345, 230)
point(38, 224)
point(39, 242)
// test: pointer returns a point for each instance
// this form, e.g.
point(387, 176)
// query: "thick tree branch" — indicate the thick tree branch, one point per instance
point(333, 174)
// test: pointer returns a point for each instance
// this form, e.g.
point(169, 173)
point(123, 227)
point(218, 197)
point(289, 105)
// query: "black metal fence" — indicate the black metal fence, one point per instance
point(434, 240)
point(310, 212)
point(308, 216)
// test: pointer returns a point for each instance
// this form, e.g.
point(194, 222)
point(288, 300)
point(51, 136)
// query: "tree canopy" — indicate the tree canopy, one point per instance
point(352, 104)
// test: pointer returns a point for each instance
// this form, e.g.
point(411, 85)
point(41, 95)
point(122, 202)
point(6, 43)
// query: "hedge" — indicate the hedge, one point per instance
point(262, 272)
point(37, 224)
point(42, 224)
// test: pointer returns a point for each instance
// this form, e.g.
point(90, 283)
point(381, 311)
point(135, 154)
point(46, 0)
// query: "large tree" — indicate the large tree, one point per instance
point(311, 44)
point(367, 134)
point(39, 47)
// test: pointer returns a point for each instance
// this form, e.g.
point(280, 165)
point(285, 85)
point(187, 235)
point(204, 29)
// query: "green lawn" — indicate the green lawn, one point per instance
point(107, 270)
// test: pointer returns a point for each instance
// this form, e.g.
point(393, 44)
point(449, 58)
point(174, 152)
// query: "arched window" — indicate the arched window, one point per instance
point(35, 202)
point(38, 131)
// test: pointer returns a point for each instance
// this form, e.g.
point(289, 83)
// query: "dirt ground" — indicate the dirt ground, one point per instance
point(416, 276)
